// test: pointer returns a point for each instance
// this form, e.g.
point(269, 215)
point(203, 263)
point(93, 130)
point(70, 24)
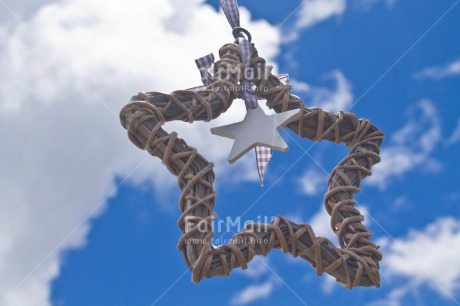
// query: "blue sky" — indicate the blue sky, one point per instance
point(89, 219)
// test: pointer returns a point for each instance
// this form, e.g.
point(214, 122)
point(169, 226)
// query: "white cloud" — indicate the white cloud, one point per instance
point(299, 86)
point(329, 284)
point(390, 3)
point(321, 222)
point(66, 72)
point(335, 99)
point(455, 136)
point(396, 296)
point(402, 202)
point(315, 11)
point(424, 257)
point(256, 268)
point(409, 147)
point(366, 5)
point(313, 182)
point(440, 72)
point(338, 99)
point(14, 9)
point(253, 293)
point(312, 12)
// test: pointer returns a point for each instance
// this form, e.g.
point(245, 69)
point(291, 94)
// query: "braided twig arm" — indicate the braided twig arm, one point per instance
point(355, 263)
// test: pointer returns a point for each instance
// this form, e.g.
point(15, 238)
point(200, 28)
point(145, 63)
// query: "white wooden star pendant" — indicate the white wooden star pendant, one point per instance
point(256, 129)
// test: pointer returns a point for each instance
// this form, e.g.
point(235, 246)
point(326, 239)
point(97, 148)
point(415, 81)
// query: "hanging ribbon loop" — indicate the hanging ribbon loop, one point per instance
point(245, 88)
point(232, 12)
point(237, 32)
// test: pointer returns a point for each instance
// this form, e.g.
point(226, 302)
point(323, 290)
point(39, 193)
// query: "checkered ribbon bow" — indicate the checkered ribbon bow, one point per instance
point(206, 66)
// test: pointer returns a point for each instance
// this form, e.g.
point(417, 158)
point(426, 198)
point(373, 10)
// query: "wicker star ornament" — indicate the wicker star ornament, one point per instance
point(353, 262)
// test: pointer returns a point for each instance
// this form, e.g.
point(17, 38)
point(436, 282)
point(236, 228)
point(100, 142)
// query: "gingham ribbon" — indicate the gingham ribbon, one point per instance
point(206, 66)
point(230, 8)
point(263, 156)
point(245, 88)
point(232, 12)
